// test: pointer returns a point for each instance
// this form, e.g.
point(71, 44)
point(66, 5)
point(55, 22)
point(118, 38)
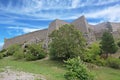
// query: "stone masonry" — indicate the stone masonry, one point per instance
point(90, 32)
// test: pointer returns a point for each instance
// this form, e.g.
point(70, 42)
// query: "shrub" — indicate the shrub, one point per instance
point(77, 70)
point(113, 62)
point(11, 50)
point(2, 53)
point(34, 52)
point(92, 52)
point(18, 54)
point(99, 61)
point(118, 43)
point(3, 50)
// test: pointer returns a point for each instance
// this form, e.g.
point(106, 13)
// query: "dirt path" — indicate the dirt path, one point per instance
point(9, 74)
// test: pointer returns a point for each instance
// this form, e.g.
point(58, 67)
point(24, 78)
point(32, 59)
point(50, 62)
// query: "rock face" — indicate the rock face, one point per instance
point(90, 32)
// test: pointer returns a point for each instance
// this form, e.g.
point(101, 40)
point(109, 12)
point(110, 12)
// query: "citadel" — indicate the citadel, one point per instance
point(90, 32)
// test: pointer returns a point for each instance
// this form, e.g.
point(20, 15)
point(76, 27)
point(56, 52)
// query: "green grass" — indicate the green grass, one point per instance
point(105, 73)
point(54, 70)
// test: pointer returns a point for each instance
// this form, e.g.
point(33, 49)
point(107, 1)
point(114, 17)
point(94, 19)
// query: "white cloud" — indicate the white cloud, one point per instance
point(33, 9)
point(35, 6)
point(110, 13)
point(26, 29)
point(104, 2)
point(75, 3)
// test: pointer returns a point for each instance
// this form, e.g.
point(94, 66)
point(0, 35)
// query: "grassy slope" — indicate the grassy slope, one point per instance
point(54, 70)
point(107, 74)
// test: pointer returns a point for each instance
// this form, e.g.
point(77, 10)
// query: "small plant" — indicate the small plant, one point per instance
point(77, 70)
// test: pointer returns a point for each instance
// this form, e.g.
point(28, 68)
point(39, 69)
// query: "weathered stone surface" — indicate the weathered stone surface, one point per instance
point(40, 34)
point(81, 24)
point(90, 32)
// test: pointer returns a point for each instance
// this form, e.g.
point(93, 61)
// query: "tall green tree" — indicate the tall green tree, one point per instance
point(108, 45)
point(66, 42)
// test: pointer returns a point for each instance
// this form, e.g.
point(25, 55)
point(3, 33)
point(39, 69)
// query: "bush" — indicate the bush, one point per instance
point(118, 43)
point(113, 62)
point(18, 54)
point(34, 52)
point(92, 52)
point(11, 50)
point(2, 52)
point(99, 61)
point(77, 70)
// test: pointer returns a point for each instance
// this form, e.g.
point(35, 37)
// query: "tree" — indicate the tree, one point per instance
point(108, 44)
point(66, 42)
point(77, 70)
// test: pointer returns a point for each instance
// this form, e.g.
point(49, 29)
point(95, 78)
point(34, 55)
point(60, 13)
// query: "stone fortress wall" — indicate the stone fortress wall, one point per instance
point(32, 36)
point(90, 32)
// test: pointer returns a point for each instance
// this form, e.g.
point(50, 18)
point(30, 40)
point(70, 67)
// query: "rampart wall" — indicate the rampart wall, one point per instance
point(40, 34)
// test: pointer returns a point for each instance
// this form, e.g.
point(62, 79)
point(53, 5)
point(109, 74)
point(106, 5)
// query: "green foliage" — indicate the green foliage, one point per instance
point(11, 50)
point(2, 52)
point(66, 42)
point(19, 54)
point(92, 52)
point(34, 52)
point(113, 62)
point(118, 43)
point(92, 55)
point(77, 70)
point(1, 55)
point(108, 44)
point(99, 61)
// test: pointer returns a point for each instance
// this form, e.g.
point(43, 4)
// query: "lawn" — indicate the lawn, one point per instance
point(105, 73)
point(54, 70)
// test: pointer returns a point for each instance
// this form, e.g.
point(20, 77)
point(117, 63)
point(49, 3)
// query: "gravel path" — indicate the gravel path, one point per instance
point(10, 74)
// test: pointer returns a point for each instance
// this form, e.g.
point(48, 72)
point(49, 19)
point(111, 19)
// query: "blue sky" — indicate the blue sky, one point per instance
point(18, 17)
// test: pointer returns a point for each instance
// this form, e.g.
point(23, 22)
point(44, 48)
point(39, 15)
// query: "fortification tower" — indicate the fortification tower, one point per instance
point(56, 24)
point(82, 25)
